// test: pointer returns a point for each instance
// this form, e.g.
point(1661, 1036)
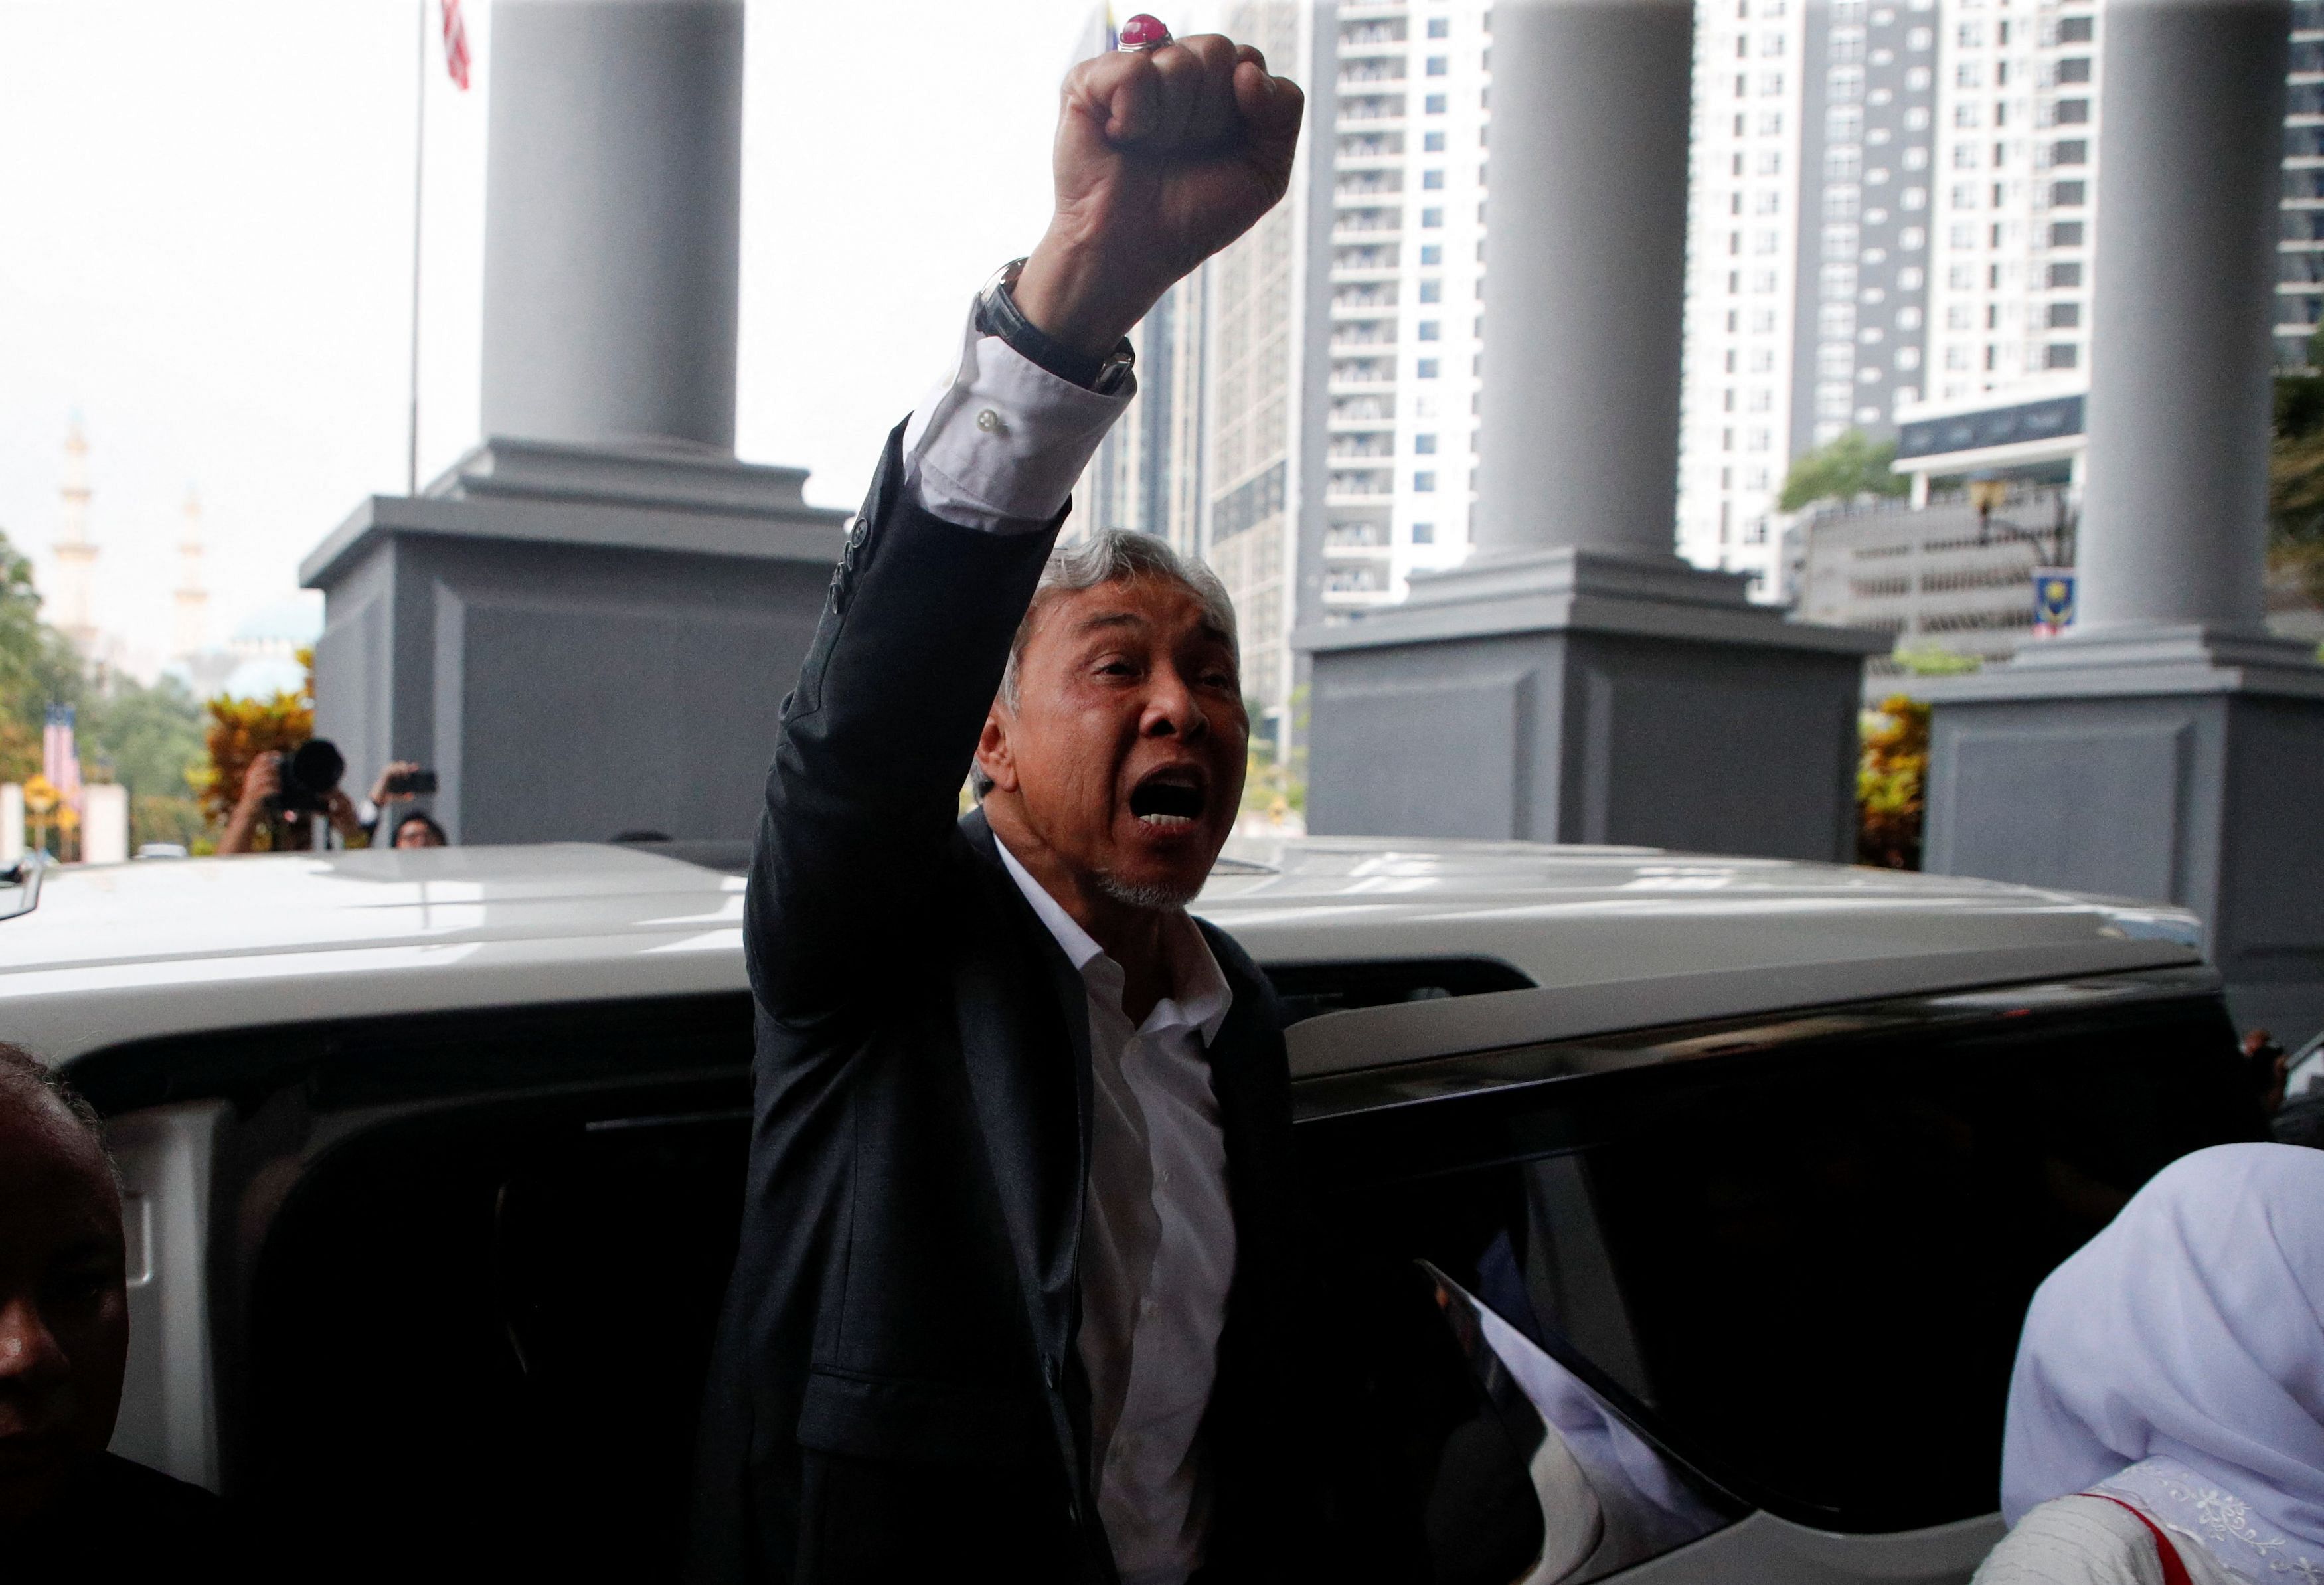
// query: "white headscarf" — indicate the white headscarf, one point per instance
point(2191, 1330)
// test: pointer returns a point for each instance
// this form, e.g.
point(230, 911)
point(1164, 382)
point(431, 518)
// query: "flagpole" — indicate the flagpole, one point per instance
point(419, 181)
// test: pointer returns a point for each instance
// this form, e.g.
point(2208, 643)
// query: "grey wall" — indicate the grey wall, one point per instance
point(566, 692)
point(2204, 800)
point(1703, 747)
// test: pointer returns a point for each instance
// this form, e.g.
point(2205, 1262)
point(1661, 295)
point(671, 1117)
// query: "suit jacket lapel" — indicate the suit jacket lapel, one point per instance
point(1025, 1038)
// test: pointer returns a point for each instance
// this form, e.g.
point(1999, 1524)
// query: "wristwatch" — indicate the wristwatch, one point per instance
point(997, 314)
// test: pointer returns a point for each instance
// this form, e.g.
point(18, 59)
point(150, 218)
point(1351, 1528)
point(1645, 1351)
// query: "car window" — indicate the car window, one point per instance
point(1801, 1274)
point(477, 1337)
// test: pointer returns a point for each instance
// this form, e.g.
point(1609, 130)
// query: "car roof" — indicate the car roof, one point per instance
point(1612, 937)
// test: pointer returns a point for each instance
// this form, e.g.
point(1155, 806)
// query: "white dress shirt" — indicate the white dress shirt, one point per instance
point(1157, 1246)
point(998, 446)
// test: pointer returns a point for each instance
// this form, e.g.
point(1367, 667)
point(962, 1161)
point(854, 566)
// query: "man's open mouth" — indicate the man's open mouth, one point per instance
point(1169, 798)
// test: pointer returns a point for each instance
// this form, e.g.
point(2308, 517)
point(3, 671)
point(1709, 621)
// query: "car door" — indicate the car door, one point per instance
point(1762, 1279)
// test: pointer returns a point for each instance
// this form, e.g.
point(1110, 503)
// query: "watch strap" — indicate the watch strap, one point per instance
point(997, 314)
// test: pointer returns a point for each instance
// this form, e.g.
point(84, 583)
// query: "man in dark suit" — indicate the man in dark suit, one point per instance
point(1011, 1290)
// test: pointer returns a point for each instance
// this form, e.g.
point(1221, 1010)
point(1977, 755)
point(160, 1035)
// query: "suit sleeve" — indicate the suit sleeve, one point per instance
point(855, 846)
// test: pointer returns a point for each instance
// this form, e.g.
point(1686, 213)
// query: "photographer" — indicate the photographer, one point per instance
point(317, 791)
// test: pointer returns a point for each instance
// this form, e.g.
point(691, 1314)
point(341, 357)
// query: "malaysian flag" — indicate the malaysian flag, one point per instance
point(60, 756)
point(456, 42)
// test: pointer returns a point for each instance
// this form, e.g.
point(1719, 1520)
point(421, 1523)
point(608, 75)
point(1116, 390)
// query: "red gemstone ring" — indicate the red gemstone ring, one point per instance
point(1143, 33)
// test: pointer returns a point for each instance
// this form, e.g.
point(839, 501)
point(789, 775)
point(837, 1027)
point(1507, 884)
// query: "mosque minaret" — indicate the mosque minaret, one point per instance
point(72, 604)
point(191, 607)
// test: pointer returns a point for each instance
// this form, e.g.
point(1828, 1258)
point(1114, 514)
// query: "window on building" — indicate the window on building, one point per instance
point(1432, 291)
point(2065, 316)
point(1961, 237)
point(2077, 71)
point(1908, 357)
point(1438, 66)
point(1964, 195)
point(1432, 143)
point(1915, 197)
point(1432, 219)
point(1431, 252)
point(1965, 114)
point(1432, 178)
point(1971, 35)
point(1423, 484)
point(1439, 26)
point(1434, 104)
point(2060, 354)
point(1426, 369)
point(1916, 119)
point(1761, 361)
point(1956, 357)
point(1423, 444)
point(1910, 278)
point(1969, 74)
point(2067, 195)
point(1759, 400)
point(2065, 234)
point(2073, 112)
point(2065, 272)
point(1430, 330)
point(2076, 29)
point(2071, 151)
point(1424, 533)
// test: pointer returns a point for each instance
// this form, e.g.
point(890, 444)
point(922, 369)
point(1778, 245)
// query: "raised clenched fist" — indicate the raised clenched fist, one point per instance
point(1163, 157)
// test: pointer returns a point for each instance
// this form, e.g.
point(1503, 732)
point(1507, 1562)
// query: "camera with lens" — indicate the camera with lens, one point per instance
point(310, 775)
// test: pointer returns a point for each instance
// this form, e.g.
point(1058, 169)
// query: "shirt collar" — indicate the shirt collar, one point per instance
point(1199, 988)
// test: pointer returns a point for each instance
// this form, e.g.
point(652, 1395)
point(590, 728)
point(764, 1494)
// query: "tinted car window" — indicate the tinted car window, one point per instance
point(1802, 1271)
point(478, 1339)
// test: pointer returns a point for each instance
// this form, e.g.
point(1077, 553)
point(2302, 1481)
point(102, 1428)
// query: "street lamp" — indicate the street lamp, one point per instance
point(1988, 491)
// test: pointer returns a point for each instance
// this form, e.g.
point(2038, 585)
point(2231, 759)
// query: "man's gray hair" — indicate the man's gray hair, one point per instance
point(1111, 555)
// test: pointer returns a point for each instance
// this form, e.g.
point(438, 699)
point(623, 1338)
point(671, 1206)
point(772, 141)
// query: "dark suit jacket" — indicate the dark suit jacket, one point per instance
point(896, 1385)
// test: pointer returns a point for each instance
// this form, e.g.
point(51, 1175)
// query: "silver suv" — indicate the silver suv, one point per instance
point(1667, 1216)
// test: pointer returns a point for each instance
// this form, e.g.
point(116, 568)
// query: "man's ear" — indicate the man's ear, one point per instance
point(993, 756)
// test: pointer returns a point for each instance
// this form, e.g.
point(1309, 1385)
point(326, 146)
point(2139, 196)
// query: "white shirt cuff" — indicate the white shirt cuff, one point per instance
point(999, 443)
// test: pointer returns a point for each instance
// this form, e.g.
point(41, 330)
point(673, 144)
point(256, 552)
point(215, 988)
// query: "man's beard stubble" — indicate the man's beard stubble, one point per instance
point(1160, 899)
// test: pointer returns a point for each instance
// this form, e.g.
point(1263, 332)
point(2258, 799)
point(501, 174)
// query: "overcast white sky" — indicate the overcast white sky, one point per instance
point(204, 252)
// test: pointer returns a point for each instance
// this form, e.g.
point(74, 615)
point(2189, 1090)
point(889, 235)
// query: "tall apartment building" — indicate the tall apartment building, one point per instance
point(2018, 154)
point(1149, 472)
point(1807, 257)
point(1406, 279)
point(2299, 289)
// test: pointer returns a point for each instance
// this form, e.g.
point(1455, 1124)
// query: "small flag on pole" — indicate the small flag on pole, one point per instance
point(61, 755)
point(456, 44)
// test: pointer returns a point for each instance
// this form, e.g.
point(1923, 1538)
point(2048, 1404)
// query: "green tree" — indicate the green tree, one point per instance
point(150, 740)
point(38, 667)
point(1848, 467)
point(2295, 483)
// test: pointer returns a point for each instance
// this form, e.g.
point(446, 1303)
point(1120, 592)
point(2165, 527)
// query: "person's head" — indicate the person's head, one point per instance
point(1118, 738)
point(64, 1302)
point(2191, 1328)
point(415, 830)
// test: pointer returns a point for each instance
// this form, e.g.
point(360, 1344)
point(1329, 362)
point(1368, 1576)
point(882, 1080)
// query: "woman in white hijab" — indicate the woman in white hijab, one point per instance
point(2166, 1417)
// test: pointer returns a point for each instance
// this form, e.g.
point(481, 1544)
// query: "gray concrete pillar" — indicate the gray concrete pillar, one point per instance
point(613, 222)
point(2164, 747)
point(1579, 427)
point(2192, 108)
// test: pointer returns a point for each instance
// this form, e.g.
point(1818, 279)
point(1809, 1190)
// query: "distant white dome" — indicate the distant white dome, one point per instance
point(263, 677)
